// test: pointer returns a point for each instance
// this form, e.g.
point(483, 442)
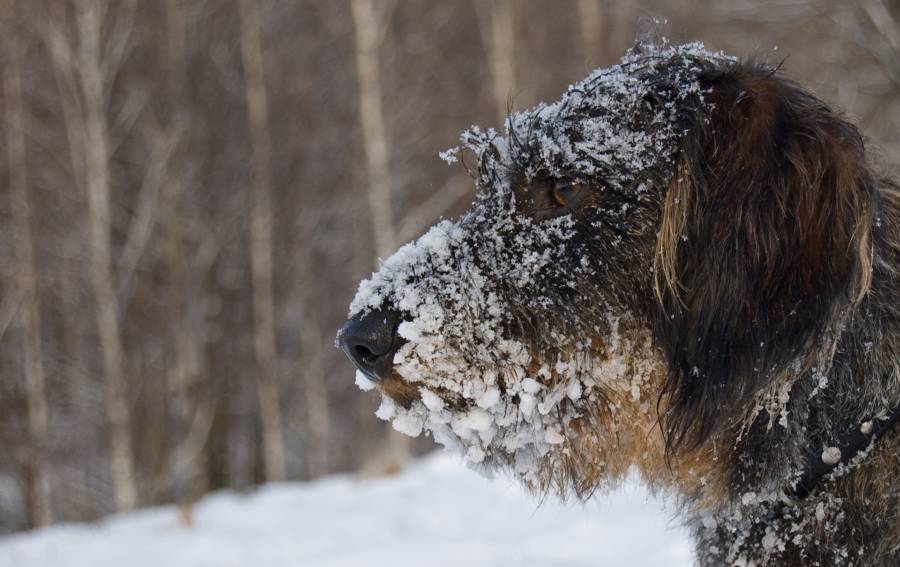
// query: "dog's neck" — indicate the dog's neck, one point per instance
point(865, 374)
point(778, 487)
point(864, 377)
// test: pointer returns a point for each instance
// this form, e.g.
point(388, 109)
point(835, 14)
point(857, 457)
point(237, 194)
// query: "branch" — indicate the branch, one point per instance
point(190, 448)
point(383, 18)
point(119, 45)
point(215, 239)
point(164, 145)
point(860, 34)
point(9, 307)
point(126, 118)
point(69, 98)
point(884, 22)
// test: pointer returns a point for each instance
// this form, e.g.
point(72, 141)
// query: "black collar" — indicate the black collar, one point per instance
point(847, 448)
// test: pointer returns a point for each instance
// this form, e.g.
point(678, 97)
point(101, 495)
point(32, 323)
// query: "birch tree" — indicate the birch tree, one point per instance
point(590, 21)
point(192, 411)
point(497, 24)
point(94, 69)
point(261, 242)
point(312, 371)
point(368, 32)
point(38, 474)
point(368, 27)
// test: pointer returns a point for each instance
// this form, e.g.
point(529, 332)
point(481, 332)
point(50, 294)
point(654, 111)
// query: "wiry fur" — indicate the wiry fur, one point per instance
point(753, 270)
point(776, 274)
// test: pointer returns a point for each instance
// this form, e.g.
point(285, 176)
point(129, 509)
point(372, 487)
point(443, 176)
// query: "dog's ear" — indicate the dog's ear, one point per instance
point(763, 243)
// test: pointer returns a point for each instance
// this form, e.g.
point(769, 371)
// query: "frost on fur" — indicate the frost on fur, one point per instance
point(502, 357)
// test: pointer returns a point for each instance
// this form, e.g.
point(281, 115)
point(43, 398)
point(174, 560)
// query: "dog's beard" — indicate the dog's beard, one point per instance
point(519, 415)
point(481, 390)
point(499, 398)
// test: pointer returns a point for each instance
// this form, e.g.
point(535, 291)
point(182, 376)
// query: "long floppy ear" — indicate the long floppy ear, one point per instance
point(763, 243)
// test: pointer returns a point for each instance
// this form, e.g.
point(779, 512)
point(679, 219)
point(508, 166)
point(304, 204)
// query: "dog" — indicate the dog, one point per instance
point(686, 266)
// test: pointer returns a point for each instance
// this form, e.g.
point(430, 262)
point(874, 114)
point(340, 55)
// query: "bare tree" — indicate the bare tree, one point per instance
point(590, 20)
point(261, 241)
point(367, 26)
point(886, 24)
point(193, 412)
point(38, 475)
point(94, 77)
point(369, 33)
point(312, 371)
point(500, 37)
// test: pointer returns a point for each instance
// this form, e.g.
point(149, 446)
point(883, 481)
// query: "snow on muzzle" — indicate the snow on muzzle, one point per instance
point(482, 389)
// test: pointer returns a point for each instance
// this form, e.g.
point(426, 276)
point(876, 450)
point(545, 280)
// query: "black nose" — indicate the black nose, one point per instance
point(370, 341)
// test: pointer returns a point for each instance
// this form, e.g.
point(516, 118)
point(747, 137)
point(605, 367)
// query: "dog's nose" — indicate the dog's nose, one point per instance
point(370, 340)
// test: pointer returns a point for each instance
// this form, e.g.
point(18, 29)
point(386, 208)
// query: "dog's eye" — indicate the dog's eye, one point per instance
point(550, 197)
point(565, 191)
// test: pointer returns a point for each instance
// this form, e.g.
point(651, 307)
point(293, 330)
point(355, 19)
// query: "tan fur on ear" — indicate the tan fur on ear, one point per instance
point(671, 230)
point(862, 236)
point(864, 259)
point(850, 172)
point(764, 247)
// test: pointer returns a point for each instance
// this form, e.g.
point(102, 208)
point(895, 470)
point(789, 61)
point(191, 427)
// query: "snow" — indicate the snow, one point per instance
point(437, 513)
point(831, 455)
point(363, 382)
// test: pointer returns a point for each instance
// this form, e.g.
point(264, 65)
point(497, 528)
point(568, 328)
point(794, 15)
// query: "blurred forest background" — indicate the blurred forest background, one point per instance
point(190, 191)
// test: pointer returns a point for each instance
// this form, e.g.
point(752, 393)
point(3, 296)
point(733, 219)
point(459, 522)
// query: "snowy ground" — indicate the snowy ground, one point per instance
point(436, 514)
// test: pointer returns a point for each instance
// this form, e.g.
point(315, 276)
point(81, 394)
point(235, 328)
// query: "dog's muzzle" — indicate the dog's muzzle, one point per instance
point(370, 340)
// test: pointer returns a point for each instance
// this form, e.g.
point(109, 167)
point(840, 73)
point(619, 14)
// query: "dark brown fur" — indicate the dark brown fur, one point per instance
point(768, 296)
point(776, 268)
point(776, 202)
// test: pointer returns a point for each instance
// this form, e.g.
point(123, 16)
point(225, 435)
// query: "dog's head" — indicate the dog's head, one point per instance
point(663, 241)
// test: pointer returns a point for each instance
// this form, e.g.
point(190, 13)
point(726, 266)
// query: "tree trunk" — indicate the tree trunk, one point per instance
point(315, 391)
point(371, 115)
point(590, 18)
point(315, 397)
point(187, 376)
point(38, 474)
point(97, 185)
point(274, 461)
point(366, 27)
point(501, 41)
